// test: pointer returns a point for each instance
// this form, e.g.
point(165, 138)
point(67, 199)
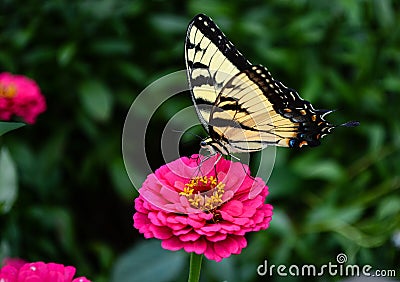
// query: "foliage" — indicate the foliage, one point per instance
point(92, 58)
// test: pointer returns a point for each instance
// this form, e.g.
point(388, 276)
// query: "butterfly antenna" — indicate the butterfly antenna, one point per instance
point(186, 132)
point(352, 123)
point(202, 160)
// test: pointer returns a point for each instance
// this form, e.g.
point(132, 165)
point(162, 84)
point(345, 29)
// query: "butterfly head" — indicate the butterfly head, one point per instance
point(209, 145)
point(214, 146)
point(204, 143)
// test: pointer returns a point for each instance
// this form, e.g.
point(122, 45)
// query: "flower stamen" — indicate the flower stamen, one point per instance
point(204, 193)
point(7, 91)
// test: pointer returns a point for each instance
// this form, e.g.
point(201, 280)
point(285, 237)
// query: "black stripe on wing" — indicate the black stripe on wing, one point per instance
point(218, 38)
point(310, 122)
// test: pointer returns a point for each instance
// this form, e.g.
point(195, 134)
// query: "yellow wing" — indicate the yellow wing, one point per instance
point(211, 61)
point(241, 105)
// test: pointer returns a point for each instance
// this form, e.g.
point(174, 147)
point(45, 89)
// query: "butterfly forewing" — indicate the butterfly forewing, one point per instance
point(211, 60)
point(246, 118)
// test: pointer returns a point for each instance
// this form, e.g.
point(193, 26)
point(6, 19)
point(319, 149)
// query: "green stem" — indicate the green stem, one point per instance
point(195, 267)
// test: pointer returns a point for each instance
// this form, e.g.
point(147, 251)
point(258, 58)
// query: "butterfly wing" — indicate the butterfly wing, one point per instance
point(240, 105)
point(253, 111)
point(211, 60)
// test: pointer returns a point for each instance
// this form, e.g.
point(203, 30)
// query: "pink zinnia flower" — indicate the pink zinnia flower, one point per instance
point(20, 96)
point(187, 206)
point(17, 270)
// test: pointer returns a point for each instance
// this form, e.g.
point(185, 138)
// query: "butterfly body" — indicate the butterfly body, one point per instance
point(242, 107)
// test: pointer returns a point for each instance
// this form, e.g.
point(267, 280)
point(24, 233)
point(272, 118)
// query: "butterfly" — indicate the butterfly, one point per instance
point(241, 106)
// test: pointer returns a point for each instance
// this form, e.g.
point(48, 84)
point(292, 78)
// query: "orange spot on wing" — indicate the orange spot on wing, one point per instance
point(303, 143)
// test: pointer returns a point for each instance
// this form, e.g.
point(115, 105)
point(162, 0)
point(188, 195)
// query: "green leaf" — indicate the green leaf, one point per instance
point(169, 23)
point(389, 206)
point(356, 235)
point(8, 126)
point(8, 181)
point(112, 47)
point(4, 249)
point(119, 176)
point(329, 217)
point(96, 100)
point(319, 169)
point(66, 54)
point(149, 262)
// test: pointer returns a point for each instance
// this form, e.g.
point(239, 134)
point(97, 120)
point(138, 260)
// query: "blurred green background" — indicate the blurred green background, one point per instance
point(91, 58)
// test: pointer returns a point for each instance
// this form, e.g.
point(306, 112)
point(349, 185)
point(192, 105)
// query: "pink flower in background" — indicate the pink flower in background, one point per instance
point(199, 211)
point(17, 270)
point(20, 96)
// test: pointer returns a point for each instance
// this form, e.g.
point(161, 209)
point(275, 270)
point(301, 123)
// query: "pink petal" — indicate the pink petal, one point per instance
point(226, 216)
point(211, 254)
point(217, 237)
point(241, 221)
point(172, 244)
point(211, 227)
point(200, 246)
point(182, 231)
point(195, 223)
point(189, 237)
point(160, 232)
point(234, 208)
point(222, 248)
point(177, 219)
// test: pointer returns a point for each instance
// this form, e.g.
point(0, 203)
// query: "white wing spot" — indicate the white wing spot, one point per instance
point(258, 71)
point(212, 29)
point(200, 18)
point(276, 91)
point(263, 75)
point(205, 23)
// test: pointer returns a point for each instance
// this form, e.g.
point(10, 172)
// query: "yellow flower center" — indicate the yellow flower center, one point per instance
point(7, 91)
point(204, 192)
